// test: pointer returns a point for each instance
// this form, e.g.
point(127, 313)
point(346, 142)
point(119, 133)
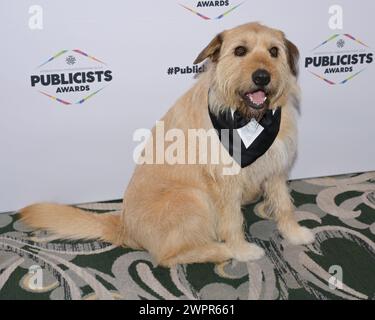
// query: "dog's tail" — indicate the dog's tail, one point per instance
point(72, 223)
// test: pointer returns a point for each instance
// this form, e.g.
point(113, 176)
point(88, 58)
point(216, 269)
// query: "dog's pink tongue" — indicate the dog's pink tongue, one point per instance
point(257, 96)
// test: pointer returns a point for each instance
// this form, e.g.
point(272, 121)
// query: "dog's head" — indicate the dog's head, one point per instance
point(253, 68)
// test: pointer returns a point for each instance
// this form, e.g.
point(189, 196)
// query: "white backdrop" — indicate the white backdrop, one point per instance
point(77, 152)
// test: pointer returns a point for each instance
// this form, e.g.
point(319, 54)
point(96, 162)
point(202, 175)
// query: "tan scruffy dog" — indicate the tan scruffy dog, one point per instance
point(192, 213)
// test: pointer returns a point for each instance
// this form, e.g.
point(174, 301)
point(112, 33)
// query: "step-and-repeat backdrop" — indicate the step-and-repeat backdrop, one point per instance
point(79, 77)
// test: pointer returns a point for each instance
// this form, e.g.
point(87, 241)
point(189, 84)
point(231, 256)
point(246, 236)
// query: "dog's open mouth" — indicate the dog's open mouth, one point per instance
point(257, 99)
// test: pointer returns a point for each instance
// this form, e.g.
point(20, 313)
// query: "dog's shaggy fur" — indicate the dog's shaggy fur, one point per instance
point(192, 213)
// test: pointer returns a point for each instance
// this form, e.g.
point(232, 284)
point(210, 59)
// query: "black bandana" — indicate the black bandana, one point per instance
point(246, 140)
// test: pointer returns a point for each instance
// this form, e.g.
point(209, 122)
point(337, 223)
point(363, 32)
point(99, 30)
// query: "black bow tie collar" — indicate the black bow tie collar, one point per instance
point(246, 140)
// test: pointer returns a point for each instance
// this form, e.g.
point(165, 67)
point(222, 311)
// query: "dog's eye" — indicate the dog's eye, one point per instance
point(274, 51)
point(240, 51)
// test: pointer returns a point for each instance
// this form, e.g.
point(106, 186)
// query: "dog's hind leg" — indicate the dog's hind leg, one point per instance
point(189, 234)
point(180, 229)
point(211, 252)
point(215, 252)
point(278, 199)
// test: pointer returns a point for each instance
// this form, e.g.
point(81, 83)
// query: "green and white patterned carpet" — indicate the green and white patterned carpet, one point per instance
point(340, 210)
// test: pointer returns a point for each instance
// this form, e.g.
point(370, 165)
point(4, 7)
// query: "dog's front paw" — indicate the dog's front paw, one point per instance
point(247, 252)
point(299, 236)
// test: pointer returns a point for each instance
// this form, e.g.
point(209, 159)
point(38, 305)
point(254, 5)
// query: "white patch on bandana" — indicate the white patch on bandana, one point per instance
point(249, 132)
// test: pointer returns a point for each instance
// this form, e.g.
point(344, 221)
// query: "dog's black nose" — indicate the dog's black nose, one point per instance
point(261, 77)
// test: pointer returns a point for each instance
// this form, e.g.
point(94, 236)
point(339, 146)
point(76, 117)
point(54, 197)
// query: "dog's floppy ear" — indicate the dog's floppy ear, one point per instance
point(212, 50)
point(293, 56)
